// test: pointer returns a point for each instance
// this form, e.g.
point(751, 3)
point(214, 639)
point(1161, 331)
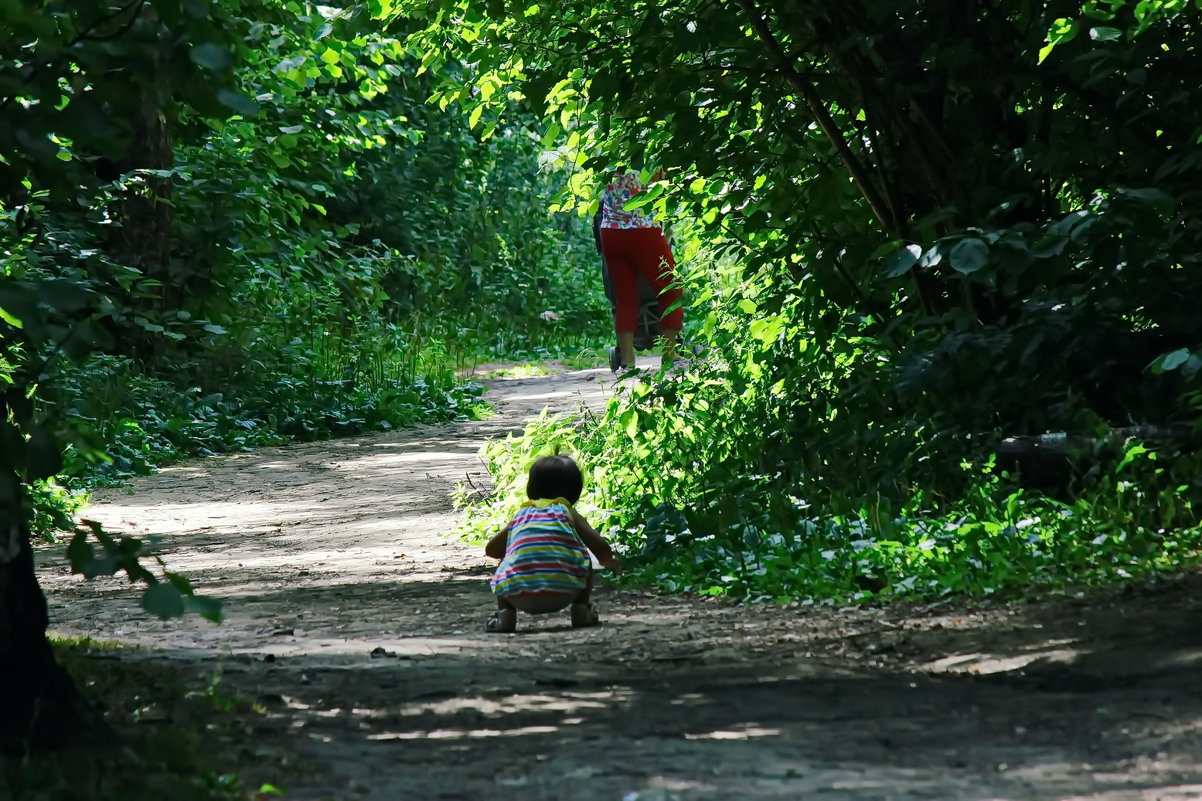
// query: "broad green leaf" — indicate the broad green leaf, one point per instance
point(629, 420)
point(208, 608)
point(211, 56)
point(10, 319)
point(163, 600)
point(902, 261)
point(1171, 360)
point(237, 102)
point(969, 255)
point(643, 198)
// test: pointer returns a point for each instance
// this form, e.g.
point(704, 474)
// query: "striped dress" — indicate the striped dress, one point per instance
point(544, 555)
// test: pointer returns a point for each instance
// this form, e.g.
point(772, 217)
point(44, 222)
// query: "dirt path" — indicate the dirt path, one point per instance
point(325, 552)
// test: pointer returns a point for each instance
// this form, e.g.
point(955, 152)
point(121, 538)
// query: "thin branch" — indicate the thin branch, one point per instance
point(822, 116)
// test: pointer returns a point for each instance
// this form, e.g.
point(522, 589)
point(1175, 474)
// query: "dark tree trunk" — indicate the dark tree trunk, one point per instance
point(40, 707)
point(143, 238)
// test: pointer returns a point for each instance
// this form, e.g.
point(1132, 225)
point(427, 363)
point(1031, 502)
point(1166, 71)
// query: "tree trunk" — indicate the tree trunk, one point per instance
point(40, 707)
point(143, 238)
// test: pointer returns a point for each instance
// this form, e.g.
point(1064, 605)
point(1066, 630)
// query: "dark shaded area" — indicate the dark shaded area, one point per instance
point(680, 698)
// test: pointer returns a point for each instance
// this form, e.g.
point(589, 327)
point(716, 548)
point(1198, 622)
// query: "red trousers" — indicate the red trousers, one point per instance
point(629, 253)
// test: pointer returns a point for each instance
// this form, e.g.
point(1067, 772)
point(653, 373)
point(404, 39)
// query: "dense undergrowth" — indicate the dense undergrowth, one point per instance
point(761, 471)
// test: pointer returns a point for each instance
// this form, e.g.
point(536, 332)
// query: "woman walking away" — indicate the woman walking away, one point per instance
point(633, 244)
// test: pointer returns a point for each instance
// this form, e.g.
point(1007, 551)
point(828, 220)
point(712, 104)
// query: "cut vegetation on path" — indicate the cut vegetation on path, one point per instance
point(354, 627)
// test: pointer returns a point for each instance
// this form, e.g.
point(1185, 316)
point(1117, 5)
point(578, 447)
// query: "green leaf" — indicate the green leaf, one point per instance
point(180, 581)
point(208, 608)
point(643, 198)
point(64, 295)
point(969, 255)
point(1171, 360)
point(19, 304)
point(237, 102)
point(211, 56)
point(11, 320)
point(163, 600)
point(629, 420)
point(902, 261)
point(1105, 34)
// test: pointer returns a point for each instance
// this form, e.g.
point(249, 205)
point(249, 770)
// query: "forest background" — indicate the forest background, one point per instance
point(907, 232)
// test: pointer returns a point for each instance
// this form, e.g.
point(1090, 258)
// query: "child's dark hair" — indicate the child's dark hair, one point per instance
point(555, 477)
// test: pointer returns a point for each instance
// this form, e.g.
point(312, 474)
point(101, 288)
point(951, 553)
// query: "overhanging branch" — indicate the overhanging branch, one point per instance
point(822, 116)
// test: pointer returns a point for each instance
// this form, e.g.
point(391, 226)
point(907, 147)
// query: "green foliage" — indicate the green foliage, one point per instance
point(587, 359)
point(75, 103)
point(145, 422)
point(269, 236)
point(686, 526)
point(908, 231)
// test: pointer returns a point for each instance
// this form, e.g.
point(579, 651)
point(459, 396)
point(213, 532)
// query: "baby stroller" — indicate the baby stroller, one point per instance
point(646, 327)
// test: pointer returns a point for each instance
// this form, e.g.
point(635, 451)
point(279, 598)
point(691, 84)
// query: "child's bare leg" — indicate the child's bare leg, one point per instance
point(584, 612)
point(504, 620)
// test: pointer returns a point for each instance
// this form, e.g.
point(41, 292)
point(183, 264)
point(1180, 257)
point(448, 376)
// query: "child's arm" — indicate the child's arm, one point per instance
point(595, 542)
point(496, 546)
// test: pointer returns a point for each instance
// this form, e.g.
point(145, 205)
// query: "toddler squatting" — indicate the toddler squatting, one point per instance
point(544, 551)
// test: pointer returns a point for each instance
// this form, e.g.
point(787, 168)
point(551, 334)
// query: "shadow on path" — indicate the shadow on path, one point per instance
point(328, 552)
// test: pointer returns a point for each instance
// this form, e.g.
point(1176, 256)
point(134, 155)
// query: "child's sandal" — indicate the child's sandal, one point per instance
point(503, 621)
point(584, 615)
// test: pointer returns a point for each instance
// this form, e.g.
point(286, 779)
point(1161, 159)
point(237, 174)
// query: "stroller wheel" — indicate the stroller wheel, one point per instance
point(615, 360)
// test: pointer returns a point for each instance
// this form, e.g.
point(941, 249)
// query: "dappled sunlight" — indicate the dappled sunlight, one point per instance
point(544, 396)
point(454, 734)
point(273, 465)
point(521, 703)
point(747, 731)
point(396, 459)
point(206, 515)
point(982, 663)
point(181, 470)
